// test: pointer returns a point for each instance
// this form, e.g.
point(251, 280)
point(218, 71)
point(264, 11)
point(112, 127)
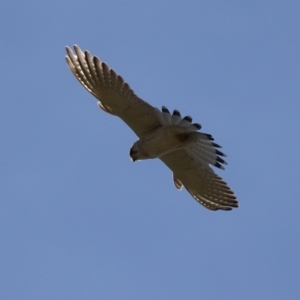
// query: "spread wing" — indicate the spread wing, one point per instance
point(113, 93)
point(201, 182)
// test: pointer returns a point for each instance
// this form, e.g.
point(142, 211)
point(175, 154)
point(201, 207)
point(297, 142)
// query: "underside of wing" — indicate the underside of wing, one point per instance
point(202, 183)
point(114, 95)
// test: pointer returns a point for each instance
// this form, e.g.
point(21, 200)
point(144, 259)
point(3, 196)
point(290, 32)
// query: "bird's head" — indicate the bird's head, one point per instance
point(137, 152)
point(134, 152)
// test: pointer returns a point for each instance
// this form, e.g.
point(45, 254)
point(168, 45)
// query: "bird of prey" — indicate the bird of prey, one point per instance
point(174, 140)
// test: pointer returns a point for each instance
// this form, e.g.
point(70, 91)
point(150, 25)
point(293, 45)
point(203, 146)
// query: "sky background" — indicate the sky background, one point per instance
point(79, 220)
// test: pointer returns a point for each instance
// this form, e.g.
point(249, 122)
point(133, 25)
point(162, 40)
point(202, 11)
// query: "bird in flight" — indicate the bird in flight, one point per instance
point(176, 141)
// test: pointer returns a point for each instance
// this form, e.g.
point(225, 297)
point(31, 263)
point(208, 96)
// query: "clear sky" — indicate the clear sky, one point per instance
point(79, 220)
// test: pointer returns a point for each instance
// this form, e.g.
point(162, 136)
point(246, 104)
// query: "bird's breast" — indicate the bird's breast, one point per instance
point(162, 141)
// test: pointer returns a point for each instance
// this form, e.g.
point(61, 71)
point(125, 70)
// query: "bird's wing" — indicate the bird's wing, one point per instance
point(202, 183)
point(113, 93)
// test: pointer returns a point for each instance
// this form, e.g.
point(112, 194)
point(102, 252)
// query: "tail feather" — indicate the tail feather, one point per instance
point(203, 150)
point(166, 119)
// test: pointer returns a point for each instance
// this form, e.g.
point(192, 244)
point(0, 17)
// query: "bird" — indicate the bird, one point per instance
point(173, 139)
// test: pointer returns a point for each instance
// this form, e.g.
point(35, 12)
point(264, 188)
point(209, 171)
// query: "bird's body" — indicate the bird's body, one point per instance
point(161, 141)
point(174, 140)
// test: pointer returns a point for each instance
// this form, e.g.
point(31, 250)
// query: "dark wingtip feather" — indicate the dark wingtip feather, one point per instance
point(216, 145)
point(176, 113)
point(197, 125)
point(227, 208)
point(222, 161)
point(188, 118)
point(218, 165)
point(165, 110)
point(220, 153)
point(209, 136)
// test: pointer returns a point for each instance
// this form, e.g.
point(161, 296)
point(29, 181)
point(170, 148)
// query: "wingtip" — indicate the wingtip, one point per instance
point(197, 125)
point(165, 110)
point(222, 161)
point(67, 58)
point(188, 118)
point(176, 113)
point(218, 165)
point(219, 152)
point(69, 51)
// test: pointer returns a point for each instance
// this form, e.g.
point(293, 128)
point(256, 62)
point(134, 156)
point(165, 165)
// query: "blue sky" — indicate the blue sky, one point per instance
point(79, 220)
